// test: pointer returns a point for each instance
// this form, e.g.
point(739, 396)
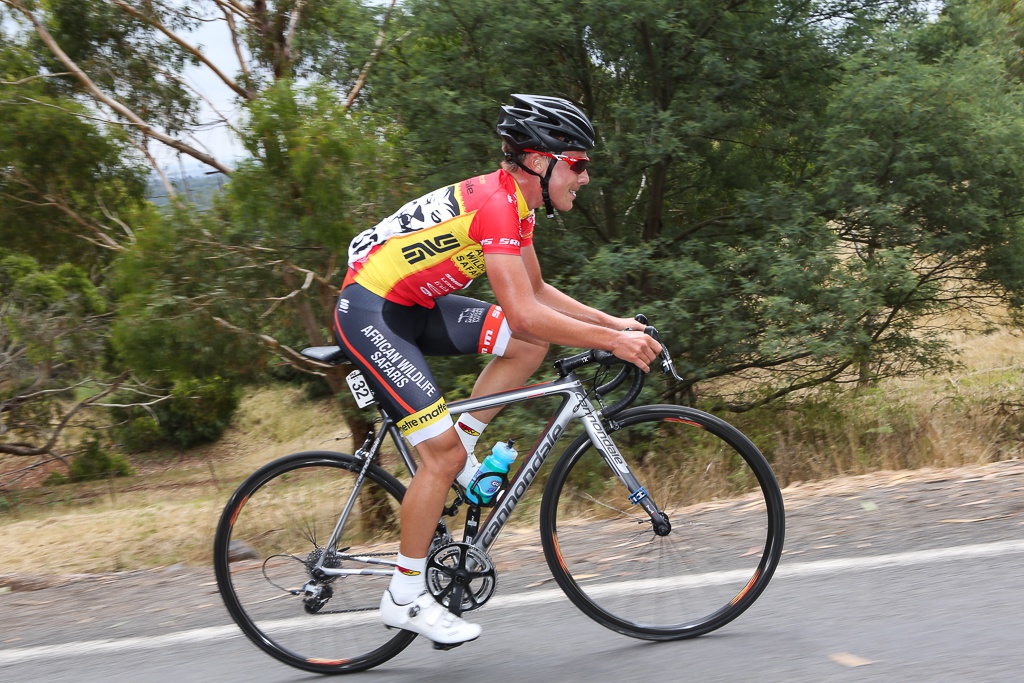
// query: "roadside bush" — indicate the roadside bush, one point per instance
point(55, 479)
point(140, 434)
point(199, 410)
point(95, 462)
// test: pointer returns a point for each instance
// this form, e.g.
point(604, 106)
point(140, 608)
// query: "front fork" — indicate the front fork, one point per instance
point(638, 493)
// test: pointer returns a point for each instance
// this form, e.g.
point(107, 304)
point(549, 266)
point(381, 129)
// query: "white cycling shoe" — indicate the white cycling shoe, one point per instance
point(427, 617)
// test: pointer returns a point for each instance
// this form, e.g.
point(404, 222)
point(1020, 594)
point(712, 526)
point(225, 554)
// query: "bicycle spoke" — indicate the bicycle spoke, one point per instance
point(726, 527)
point(282, 594)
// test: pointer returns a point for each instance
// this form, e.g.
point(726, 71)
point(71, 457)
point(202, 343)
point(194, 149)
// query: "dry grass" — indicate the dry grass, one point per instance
point(970, 416)
point(167, 512)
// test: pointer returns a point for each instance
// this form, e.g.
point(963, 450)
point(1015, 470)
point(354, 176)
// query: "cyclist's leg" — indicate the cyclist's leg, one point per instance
point(441, 458)
point(380, 338)
point(463, 325)
point(521, 360)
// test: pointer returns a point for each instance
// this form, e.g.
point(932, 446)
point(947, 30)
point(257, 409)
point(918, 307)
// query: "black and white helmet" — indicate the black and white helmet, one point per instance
point(547, 124)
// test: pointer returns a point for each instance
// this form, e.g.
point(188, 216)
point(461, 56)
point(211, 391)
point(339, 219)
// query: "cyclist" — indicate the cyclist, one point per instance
point(398, 304)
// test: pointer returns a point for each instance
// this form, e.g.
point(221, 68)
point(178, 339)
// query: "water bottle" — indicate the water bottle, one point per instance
point(490, 476)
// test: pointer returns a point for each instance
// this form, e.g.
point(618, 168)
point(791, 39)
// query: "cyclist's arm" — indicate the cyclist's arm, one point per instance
point(555, 298)
point(526, 314)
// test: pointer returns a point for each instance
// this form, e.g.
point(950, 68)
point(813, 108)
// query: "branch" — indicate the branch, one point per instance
point(20, 449)
point(191, 49)
point(282, 351)
point(311, 277)
point(102, 97)
point(102, 239)
point(234, 7)
point(84, 404)
point(32, 78)
point(279, 300)
point(80, 115)
point(14, 475)
point(779, 393)
point(378, 50)
point(172, 194)
point(293, 25)
point(229, 16)
point(15, 401)
point(24, 449)
point(188, 86)
point(111, 217)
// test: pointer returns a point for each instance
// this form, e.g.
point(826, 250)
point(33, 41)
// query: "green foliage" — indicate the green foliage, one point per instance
point(122, 56)
point(68, 192)
point(55, 479)
point(96, 462)
point(60, 176)
point(790, 191)
point(169, 286)
point(199, 410)
point(311, 169)
point(139, 434)
point(50, 316)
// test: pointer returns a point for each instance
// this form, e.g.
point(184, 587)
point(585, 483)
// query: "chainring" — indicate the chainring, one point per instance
point(460, 569)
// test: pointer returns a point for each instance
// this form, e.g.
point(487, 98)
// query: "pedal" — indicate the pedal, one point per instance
point(445, 646)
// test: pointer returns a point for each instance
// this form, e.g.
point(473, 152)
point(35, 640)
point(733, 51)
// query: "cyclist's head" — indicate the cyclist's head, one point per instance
point(547, 124)
point(535, 123)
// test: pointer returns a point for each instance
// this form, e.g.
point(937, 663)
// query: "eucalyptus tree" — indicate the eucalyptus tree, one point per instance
point(53, 384)
point(295, 196)
point(68, 192)
point(132, 59)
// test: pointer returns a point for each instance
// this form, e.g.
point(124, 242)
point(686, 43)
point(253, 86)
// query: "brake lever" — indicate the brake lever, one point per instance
point(668, 367)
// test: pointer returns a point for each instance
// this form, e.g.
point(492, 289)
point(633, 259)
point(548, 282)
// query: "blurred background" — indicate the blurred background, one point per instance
point(818, 203)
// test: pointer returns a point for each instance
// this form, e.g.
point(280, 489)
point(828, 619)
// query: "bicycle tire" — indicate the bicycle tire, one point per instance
point(268, 536)
point(726, 511)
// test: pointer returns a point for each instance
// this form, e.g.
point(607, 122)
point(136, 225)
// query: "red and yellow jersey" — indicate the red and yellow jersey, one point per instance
point(434, 245)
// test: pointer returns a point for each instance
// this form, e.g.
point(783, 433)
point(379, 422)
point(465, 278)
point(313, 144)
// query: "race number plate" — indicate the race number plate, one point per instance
point(360, 390)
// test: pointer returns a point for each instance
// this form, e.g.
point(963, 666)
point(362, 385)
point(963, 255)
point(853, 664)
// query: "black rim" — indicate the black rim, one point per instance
point(759, 577)
point(226, 586)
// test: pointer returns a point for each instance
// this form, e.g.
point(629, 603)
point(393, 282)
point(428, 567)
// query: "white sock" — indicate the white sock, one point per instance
point(409, 579)
point(469, 429)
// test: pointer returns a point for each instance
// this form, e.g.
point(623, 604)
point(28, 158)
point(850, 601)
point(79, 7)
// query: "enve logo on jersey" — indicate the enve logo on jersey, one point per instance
point(414, 253)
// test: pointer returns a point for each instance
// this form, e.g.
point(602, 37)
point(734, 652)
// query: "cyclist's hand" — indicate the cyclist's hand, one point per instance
point(636, 348)
point(626, 324)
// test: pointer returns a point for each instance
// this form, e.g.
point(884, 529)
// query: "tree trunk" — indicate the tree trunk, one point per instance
point(655, 218)
point(377, 515)
point(864, 380)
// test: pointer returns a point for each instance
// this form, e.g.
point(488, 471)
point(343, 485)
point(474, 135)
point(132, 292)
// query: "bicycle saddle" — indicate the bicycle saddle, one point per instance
point(332, 355)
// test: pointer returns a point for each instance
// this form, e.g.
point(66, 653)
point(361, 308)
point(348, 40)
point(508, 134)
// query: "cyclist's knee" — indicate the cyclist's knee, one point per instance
point(443, 454)
point(527, 352)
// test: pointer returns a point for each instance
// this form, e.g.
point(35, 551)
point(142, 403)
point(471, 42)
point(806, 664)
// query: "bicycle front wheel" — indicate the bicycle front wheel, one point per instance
point(722, 501)
point(271, 549)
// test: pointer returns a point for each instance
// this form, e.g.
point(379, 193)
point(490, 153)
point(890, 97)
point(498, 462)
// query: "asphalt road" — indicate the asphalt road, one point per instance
point(886, 578)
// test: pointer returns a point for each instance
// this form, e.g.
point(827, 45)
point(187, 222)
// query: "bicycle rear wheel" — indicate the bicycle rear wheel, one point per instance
point(267, 544)
point(725, 510)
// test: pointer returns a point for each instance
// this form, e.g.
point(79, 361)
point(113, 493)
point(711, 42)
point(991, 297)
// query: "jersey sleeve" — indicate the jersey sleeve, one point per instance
point(498, 228)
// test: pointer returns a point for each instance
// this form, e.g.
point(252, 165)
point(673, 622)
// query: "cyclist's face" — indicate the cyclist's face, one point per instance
point(565, 182)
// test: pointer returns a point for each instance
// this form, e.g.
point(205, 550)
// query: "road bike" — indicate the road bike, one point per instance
point(307, 544)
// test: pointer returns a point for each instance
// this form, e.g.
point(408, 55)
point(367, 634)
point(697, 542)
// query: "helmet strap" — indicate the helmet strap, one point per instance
point(548, 207)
